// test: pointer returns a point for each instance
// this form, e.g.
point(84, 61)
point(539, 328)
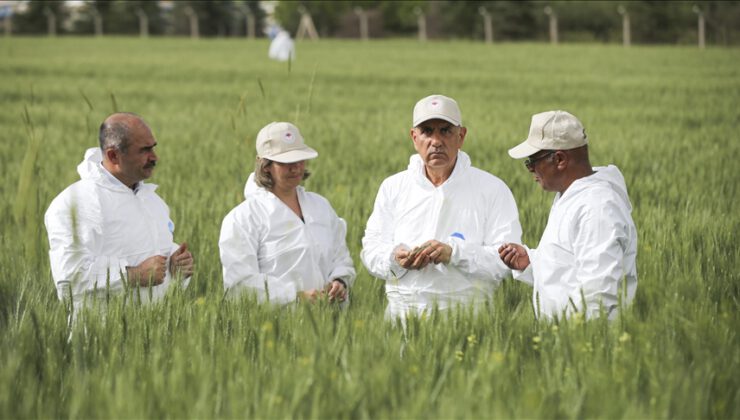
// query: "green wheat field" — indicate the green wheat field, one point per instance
point(669, 117)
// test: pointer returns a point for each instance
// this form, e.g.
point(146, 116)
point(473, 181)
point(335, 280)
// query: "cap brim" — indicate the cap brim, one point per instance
point(295, 155)
point(523, 150)
point(437, 117)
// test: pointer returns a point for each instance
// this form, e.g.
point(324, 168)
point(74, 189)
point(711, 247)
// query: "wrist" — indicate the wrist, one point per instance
point(452, 242)
point(132, 275)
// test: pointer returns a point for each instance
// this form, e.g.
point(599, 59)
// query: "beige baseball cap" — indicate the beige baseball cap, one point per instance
point(551, 130)
point(437, 107)
point(282, 142)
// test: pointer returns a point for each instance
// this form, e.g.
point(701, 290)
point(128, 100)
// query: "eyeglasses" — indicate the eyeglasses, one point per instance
point(529, 163)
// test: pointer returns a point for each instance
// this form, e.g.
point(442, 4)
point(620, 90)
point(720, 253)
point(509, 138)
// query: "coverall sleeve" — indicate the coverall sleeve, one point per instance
point(481, 260)
point(377, 245)
point(75, 231)
point(342, 265)
point(238, 247)
point(599, 244)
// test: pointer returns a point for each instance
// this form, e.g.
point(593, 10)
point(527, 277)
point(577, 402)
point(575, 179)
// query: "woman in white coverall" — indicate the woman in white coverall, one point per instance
point(282, 242)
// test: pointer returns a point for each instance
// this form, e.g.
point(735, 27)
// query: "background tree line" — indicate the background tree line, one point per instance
point(120, 17)
point(651, 21)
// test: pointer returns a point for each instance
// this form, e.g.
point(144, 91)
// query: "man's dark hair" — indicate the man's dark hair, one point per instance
point(114, 134)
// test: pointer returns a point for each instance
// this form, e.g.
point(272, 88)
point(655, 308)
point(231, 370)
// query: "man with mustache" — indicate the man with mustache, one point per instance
point(436, 227)
point(109, 231)
point(586, 259)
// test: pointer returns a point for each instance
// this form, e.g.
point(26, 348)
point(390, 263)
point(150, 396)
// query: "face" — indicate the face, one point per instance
point(544, 169)
point(286, 176)
point(138, 161)
point(437, 142)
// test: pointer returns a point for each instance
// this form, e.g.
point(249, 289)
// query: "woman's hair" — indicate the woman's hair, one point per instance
point(263, 177)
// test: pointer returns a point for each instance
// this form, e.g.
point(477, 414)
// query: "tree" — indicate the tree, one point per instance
point(34, 19)
point(239, 21)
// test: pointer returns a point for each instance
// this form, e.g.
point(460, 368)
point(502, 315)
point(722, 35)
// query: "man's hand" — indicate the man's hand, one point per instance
point(150, 272)
point(437, 252)
point(514, 256)
point(181, 261)
point(429, 252)
point(310, 295)
point(411, 259)
point(336, 291)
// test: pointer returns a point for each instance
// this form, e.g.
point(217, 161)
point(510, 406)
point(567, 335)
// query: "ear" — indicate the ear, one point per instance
point(463, 133)
point(561, 159)
point(412, 133)
point(112, 155)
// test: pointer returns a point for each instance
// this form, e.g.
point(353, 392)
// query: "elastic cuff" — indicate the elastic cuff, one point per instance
point(395, 268)
point(453, 242)
point(525, 275)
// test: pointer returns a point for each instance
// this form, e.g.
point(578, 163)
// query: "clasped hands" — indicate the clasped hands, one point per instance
point(429, 252)
point(152, 271)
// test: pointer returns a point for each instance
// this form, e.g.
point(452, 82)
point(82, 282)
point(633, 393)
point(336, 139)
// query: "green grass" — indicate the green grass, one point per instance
point(667, 116)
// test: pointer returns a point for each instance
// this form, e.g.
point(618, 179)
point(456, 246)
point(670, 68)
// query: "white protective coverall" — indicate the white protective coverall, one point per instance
point(98, 226)
point(282, 47)
point(266, 248)
point(473, 211)
point(589, 245)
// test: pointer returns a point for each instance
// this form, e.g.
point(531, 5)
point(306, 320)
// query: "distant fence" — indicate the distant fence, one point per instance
point(359, 22)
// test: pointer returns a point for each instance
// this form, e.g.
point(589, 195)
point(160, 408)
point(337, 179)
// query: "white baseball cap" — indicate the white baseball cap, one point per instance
point(282, 142)
point(437, 107)
point(551, 130)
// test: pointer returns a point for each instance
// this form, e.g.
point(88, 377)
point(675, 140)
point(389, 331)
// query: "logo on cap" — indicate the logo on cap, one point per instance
point(288, 137)
point(435, 103)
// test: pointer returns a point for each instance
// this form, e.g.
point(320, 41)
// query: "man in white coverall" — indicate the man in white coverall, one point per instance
point(586, 258)
point(110, 231)
point(436, 227)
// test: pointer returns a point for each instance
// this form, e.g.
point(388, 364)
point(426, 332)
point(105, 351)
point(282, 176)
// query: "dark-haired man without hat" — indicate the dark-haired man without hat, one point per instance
point(110, 231)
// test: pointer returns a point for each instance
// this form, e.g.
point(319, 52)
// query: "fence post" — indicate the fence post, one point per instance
point(190, 13)
point(250, 22)
point(306, 26)
point(553, 24)
point(8, 21)
point(143, 23)
point(626, 35)
point(487, 25)
point(700, 13)
point(363, 22)
point(51, 22)
point(98, 21)
point(421, 21)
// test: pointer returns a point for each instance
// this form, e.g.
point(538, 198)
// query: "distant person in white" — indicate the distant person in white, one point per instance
point(282, 242)
point(586, 258)
point(436, 227)
point(109, 231)
point(282, 47)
